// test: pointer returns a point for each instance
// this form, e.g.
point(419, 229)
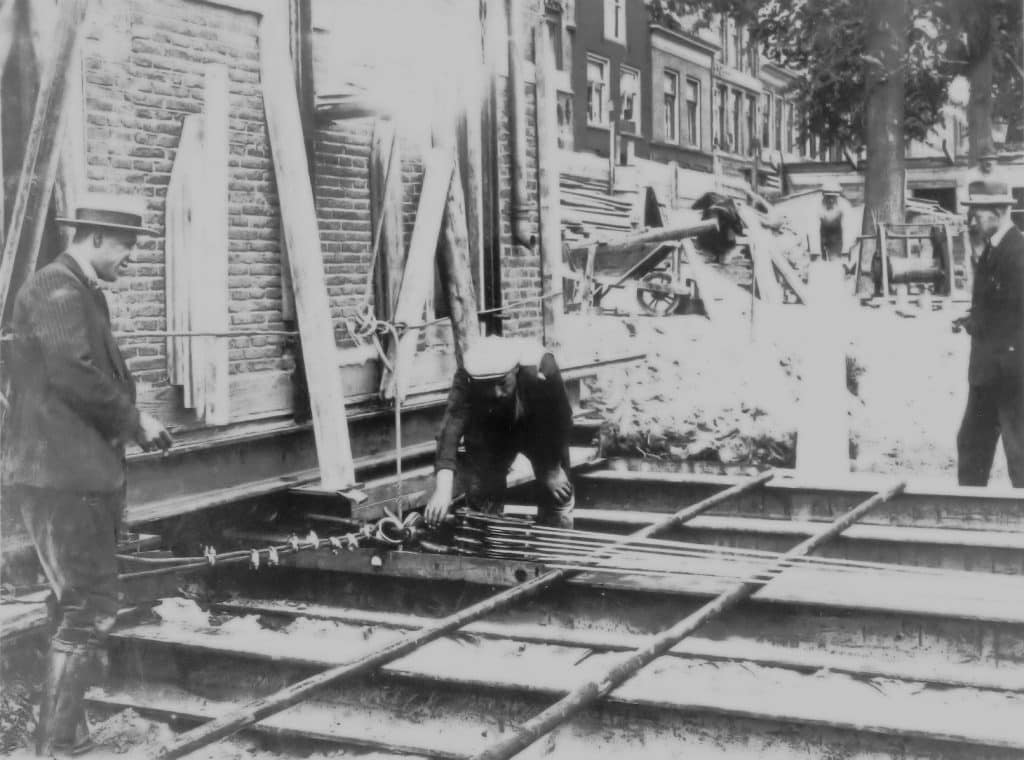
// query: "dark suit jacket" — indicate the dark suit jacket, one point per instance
point(73, 399)
point(997, 312)
point(540, 431)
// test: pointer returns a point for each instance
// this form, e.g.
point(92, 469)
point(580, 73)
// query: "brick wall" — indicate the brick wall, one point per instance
point(144, 62)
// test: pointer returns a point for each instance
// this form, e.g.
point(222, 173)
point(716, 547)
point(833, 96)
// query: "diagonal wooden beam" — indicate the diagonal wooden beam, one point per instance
point(39, 168)
point(305, 257)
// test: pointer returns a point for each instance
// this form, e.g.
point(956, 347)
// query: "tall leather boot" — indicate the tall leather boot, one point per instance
point(73, 729)
point(48, 727)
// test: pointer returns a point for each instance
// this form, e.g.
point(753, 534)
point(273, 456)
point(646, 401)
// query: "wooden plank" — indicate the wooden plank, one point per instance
point(760, 245)
point(468, 140)
point(789, 274)
point(823, 434)
point(548, 184)
point(731, 650)
point(210, 255)
point(179, 244)
point(457, 272)
point(350, 725)
point(39, 168)
point(677, 684)
point(301, 230)
point(386, 200)
point(418, 277)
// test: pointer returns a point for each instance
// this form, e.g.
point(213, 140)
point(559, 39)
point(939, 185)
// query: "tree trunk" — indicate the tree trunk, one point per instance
point(980, 74)
point(887, 26)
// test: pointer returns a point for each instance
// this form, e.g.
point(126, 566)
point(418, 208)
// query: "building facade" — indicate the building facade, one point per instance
point(679, 91)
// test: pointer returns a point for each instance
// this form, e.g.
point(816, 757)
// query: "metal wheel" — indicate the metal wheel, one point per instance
point(655, 296)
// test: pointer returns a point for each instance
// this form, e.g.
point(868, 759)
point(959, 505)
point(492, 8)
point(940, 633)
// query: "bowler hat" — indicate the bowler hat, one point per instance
point(108, 211)
point(989, 192)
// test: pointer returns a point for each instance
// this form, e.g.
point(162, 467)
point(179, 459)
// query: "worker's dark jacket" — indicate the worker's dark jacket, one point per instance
point(540, 429)
point(73, 399)
point(996, 321)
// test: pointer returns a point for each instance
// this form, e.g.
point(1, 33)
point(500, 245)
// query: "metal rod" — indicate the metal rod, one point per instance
point(606, 682)
point(263, 707)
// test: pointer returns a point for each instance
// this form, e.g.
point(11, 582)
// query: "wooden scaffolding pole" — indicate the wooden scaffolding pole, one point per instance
point(457, 272)
point(418, 277)
point(258, 709)
point(548, 184)
point(607, 681)
point(39, 168)
point(305, 258)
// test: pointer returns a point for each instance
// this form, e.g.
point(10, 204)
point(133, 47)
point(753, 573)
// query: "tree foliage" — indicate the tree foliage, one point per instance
point(825, 40)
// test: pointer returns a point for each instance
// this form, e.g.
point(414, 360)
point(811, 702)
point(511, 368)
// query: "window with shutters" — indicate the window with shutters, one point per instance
point(693, 112)
point(597, 91)
point(670, 100)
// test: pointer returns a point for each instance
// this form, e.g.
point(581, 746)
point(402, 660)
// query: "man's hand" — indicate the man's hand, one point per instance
point(963, 323)
point(558, 485)
point(441, 499)
point(151, 435)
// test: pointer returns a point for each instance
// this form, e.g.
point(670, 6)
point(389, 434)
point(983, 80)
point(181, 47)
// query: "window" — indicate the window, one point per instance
point(670, 99)
point(615, 20)
point(722, 123)
point(749, 54)
point(629, 96)
point(693, 111)
point(750, 112)
point(778, 124)
point(766, 120)
point(597, 91)
point(736, 125)
point(555, 40)
point(736, 45)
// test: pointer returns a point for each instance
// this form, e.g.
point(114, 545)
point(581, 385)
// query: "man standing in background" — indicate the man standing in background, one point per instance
point(995, 402)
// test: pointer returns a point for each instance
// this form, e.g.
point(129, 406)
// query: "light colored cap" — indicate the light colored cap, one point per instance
point(989, 192)
point(831, 187)
point(491, 358)
point(109, 211)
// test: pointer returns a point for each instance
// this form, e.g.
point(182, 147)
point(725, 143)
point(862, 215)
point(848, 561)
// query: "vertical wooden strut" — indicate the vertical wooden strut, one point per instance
point(258, 709)
point(305, 257)
point(630, 664)
point(39, 169)
point(548, 183)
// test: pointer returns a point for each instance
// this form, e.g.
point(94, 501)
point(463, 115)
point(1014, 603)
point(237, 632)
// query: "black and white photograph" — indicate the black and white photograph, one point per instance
point(492, 379)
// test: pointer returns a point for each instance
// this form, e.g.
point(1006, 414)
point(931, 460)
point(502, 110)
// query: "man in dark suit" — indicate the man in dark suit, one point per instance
point(507, 399)
point(995, 401)
point(72, 410)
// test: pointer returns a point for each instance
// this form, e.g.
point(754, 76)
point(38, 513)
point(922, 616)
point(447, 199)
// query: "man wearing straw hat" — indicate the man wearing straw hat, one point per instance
point(507, 399)
point(995, 401)
point(72, 412)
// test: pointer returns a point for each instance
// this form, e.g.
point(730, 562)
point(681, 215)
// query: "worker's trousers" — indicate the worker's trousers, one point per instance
point(993, 410)
point(484, 474)
point(75, 536)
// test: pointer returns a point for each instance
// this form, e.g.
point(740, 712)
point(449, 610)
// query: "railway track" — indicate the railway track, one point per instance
point(908, 665)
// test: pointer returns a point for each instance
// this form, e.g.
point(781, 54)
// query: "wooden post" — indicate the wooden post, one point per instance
point(627, 666)
point(548, 184)
point(210, 281)
point(418, 277)
point(39, 168)
point(822, 444)
point(258, 709)
point(612, 157)
point(386, 202)
point(457, 271)
point(305, 260)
